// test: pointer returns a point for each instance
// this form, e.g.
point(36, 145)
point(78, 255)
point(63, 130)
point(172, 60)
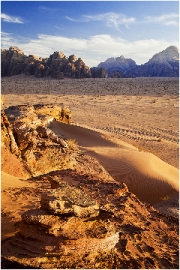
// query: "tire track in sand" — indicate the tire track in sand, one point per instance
point(145, 134)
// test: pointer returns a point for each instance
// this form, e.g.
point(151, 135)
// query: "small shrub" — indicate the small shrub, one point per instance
point(72, 143)
point(165, 198)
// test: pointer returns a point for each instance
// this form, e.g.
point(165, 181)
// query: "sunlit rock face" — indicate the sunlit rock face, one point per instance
point(56, 66)
point(66, 230)
point(27, 134)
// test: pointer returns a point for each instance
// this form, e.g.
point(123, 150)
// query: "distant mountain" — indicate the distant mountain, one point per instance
point(163, 64)
point(120, 64)
point(57, 65)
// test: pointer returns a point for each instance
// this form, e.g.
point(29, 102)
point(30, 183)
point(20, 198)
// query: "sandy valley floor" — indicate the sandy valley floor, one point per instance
point(141, 111)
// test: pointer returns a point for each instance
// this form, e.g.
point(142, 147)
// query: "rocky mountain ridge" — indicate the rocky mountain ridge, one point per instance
point(58, 66)
point(121, 64)
point(162, 64)
point(168, 55)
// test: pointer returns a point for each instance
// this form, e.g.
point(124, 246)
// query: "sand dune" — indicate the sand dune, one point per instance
point(13, 202)
point(140, 111)
point(147, 176)
point(10, 181)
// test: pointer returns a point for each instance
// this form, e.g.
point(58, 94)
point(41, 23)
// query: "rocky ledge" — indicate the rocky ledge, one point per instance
point(26, 134)
point(81, 217)
point(85, 221)
point(67, 229)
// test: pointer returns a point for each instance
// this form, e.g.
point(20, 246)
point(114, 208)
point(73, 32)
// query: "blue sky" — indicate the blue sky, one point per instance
point(92, 30)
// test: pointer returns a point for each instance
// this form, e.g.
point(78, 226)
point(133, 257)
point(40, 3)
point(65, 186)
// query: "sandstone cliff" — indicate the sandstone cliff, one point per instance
point(58, 66)
point(81, 217)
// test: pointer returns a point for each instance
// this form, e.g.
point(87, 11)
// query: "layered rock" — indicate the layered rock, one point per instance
point(67, 229)
point(10, 152)
point(92, 223)
point(37, 145)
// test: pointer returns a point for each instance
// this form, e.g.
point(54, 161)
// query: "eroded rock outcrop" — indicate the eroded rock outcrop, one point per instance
point(67, 229)
point(36, 144)
point(69, 200)
point(57, 65)
point(8, 140)
point(10, 152)
point(99, 72)
point(12, 61)
point(120, 231)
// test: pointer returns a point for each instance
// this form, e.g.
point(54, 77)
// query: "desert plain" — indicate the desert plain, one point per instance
point(141, 111)
point(130, 125)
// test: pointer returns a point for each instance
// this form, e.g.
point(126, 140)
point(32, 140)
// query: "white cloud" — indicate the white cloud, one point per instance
point(115, 20)
point(110, 19)
point(71, 19)
point(92, 50)
point(11, 19)
point(47, 9)
point(165, 19)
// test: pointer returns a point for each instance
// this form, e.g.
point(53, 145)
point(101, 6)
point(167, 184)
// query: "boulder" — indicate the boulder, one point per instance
point(67, 230)
point(69, 200)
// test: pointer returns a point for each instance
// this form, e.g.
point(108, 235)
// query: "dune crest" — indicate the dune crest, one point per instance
point(147, 176)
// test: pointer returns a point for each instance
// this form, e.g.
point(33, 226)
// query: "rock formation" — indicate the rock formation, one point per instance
point(162, 64)
point(67, 231)
point(8, 141)
point(33, 141)
point(12, 61)
point(99, 72)
point(10, 153)
point(119, 64)
point(81, 218)
point(87, 222)
point(57, 66)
